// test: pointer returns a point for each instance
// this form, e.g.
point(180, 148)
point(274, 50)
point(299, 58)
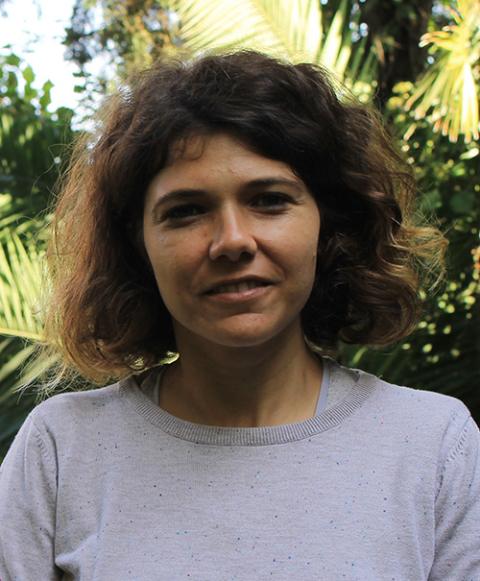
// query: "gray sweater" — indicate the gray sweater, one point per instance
point(383, 484)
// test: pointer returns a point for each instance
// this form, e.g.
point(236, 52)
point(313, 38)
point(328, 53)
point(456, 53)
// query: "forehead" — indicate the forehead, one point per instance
point(218, 152)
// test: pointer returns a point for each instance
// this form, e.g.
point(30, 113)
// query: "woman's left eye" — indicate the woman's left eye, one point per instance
point(271, 200)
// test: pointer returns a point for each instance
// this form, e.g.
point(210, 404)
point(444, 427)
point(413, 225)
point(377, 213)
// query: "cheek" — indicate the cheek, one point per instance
point(174, 262)
point(307, 265)
point(314, 233)
point(303, 248)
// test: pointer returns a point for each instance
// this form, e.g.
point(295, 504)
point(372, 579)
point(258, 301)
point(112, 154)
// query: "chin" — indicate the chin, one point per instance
point(245, 333)
point(238, 331)
point(240, 341)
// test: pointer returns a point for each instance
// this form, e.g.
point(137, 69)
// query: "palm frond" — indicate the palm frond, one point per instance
point(448, 89)
point(335, 52)
point(20, 278)
point(287, 28)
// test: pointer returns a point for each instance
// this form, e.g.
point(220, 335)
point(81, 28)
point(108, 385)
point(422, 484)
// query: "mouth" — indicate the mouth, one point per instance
point(239, 287)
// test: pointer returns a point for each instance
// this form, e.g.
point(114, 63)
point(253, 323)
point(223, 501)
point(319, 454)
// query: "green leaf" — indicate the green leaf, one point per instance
point(13, 365)
point(30, 93)
point(45, 98)
point(28, 74)
point(471, 153)
point(12, 83)
point(13, 60)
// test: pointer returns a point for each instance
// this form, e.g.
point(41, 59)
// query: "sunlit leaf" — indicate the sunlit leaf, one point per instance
point(20, 281)
point(448, 89)
point(28, 74)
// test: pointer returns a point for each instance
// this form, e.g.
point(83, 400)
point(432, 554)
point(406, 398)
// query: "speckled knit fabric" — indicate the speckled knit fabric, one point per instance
point(382, 485)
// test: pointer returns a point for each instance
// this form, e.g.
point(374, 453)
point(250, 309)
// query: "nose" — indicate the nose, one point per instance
point(232, 237)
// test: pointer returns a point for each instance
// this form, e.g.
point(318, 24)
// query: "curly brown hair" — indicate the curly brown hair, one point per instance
point(105, 315)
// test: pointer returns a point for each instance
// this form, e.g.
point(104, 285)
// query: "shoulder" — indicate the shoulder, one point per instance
point(78, 400)
point(420, 415)
point(70, 412)
point(402, 399)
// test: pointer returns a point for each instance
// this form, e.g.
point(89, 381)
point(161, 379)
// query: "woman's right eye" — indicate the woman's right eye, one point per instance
point(183, 212)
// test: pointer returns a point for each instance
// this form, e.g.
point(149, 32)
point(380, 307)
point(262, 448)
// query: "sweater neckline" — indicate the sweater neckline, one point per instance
point(359, 388)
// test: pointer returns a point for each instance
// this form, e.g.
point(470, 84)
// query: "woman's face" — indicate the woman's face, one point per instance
point(232, 239)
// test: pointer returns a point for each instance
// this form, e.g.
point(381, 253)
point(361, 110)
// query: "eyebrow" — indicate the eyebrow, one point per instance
point(183, 194)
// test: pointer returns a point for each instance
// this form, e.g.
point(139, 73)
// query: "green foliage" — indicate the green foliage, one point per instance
point(443, 353)
point(20, 265)
point(32, 144)
point(33, 147)
point(134, 34)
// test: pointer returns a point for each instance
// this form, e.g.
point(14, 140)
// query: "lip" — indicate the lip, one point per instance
point(239, 297)
point(250, 278)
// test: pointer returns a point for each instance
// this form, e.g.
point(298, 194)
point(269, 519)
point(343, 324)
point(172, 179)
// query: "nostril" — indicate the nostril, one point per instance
point(233, 248)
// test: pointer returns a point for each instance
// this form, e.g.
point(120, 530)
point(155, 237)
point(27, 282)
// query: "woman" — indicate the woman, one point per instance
point(234, 211)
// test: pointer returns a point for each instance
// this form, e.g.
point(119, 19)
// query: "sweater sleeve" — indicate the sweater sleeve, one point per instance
point(27, 506)
point(457, 510)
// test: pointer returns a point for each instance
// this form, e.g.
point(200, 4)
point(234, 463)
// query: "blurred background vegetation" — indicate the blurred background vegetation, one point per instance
point(418, 61)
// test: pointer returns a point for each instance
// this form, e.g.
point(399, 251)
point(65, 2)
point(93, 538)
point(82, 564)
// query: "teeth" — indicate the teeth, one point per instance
point(237, 288)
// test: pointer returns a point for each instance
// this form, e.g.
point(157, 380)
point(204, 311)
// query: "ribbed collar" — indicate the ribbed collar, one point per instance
point(359, 388)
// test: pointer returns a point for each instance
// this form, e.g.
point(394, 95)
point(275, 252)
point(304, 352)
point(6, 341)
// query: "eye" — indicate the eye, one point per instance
point(183, 212)
point(271, 200)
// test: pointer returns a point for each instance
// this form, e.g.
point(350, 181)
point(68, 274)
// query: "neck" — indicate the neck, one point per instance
point(272, 384)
